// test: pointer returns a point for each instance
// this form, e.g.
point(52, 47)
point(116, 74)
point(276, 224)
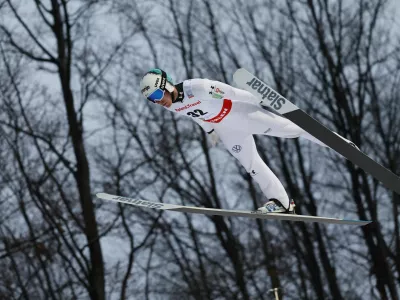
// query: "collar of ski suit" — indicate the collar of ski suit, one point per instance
point(181, 94)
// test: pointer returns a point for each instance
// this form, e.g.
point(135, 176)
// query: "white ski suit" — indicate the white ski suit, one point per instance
point(235, 115)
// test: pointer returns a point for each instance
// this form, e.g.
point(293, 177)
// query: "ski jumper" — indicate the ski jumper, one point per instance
point(235, 116)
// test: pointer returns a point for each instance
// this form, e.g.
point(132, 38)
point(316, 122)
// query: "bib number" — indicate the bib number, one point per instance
point(196, 113)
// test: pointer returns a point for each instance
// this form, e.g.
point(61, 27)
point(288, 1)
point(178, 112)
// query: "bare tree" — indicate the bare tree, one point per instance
point(62, 172)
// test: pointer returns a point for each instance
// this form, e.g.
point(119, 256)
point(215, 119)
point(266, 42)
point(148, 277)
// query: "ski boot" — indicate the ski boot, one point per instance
point(274, 206)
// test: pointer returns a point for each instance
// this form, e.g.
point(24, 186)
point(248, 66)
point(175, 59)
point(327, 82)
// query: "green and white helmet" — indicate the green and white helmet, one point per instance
point(154, 83)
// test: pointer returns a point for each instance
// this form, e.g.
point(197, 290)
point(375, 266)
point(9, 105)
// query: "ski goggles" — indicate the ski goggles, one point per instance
point(156, 96)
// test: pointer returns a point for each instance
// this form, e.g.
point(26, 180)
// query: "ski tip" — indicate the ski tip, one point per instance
point(358, 222)
point(238, 71)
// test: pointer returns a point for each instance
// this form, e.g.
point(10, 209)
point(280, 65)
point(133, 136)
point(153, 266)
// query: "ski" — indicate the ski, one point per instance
point(287, 109)
point(228, 212)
